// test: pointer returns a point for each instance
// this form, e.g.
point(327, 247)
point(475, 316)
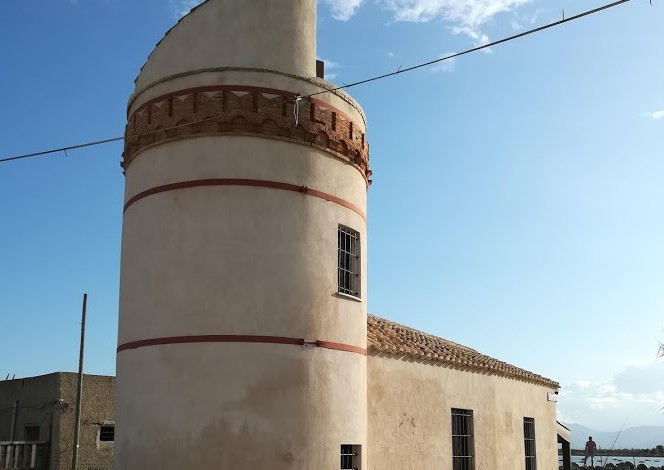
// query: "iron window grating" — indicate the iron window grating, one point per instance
point(529, 443)
point(107, 433)
point(350, 457)
point(31, 433)
point(463, 445)
point(349, 263)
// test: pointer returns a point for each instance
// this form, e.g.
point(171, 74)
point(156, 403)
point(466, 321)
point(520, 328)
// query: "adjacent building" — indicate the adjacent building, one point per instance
point(37, 417)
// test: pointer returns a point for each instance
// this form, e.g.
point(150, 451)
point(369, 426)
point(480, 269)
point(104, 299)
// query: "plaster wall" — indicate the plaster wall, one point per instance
point(410, 417)
point(277, 35)
point(36, 397)
point(98, 408)
point(49, 401)
point(245, 406)
point(239, 260)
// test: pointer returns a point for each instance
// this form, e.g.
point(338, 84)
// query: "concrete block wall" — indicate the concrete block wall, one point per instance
point(49, 401)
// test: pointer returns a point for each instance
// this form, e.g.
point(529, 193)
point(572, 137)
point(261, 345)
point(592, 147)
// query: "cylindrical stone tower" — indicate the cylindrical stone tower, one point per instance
point(242, 337)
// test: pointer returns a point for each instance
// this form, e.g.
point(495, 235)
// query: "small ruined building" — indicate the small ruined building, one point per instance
point(37, 417)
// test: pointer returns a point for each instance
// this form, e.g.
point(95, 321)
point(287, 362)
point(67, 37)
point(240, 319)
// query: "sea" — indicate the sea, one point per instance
point(648, 461)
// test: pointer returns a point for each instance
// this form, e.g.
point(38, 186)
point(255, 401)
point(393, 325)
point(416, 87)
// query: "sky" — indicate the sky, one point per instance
point(528, 179)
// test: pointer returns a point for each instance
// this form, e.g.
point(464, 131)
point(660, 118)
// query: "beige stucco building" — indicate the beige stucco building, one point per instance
point(418, 384)
point(244, 340)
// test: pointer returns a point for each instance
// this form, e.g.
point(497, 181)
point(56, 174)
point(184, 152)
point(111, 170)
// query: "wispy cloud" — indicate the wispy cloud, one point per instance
point(343, 10)
point(520, 21)
point(446, 65)
point(331, 68)
point(657, 114)
point(465, 16)
point(635, 391)
point(182, 7)
point(468, 13)
point(479, 38)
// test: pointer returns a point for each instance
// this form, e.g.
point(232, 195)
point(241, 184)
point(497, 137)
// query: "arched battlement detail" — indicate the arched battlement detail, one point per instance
point(239, 110)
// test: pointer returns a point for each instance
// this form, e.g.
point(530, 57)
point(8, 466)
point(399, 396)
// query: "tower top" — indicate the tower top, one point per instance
point(217, 34)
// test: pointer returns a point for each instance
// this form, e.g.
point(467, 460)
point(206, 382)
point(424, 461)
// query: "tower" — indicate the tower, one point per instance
point(242, 335)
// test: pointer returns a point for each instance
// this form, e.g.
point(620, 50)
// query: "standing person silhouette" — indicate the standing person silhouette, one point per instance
point(591, 449)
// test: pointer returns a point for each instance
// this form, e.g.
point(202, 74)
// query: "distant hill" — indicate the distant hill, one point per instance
point(640, 437)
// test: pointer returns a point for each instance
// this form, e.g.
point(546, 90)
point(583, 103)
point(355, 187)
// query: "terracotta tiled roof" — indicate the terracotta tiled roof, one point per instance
point(387, 337)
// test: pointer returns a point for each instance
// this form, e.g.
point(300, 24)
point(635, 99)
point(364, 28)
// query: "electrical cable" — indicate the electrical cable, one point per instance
point(62, 149)
point(478, 48)
point(297, 97)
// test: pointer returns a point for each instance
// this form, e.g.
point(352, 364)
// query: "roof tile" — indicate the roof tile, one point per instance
point(384, 336)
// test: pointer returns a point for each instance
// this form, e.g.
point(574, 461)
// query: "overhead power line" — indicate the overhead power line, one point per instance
point(297, 98)
point(62, 149)
point(479, 48)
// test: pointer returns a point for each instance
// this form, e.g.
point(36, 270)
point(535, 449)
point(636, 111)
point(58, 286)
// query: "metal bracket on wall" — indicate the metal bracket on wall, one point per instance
point(296, 108)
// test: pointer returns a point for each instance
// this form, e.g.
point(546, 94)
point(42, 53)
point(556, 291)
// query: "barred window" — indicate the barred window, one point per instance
point(348, 266)
point(463, 443)
point(529, 443)
point(350, 457)
point(31, 433)
point(107, 433)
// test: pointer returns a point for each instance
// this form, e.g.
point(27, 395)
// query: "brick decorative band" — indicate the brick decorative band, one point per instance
point(245, 182)
point(246, 110)
point(240, 339)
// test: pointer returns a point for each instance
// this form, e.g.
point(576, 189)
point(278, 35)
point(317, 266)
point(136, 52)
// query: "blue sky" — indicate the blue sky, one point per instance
point(527, 179)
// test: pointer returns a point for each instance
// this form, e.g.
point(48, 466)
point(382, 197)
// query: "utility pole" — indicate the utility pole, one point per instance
point(15, 407)
point(79, 393)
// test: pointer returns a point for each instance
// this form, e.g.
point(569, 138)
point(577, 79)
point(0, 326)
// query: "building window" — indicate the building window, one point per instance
point(31, 433)
point(350, 457)
point(107, 433)
point(463, 445)
point(349, 261)
point(529, 443)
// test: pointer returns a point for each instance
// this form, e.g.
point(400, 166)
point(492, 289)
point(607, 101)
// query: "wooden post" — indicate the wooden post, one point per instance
point(79, 393)
point(567, 456)
point(12, 431)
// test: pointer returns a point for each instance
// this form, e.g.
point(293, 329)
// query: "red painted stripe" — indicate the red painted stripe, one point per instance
point(210, 339)
point(203, 89)
point(341, 347)
point(245, 182)
point(240, 339)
